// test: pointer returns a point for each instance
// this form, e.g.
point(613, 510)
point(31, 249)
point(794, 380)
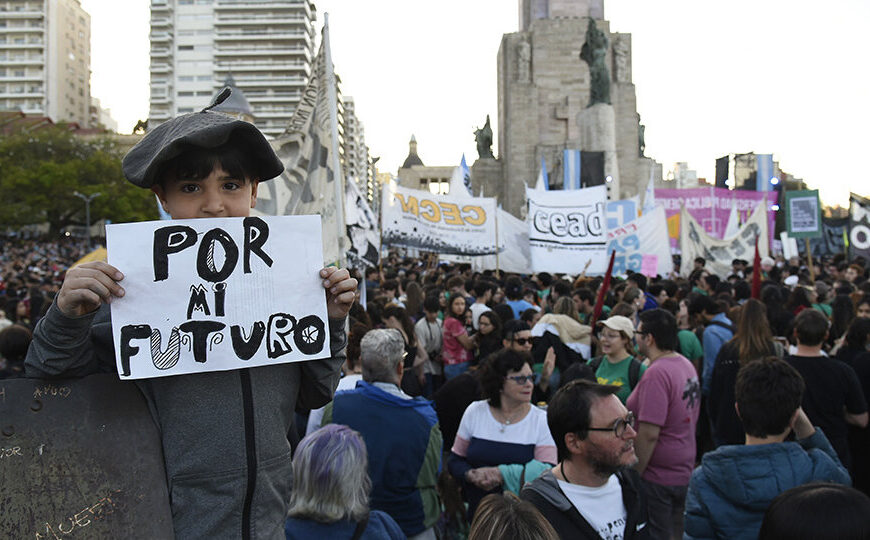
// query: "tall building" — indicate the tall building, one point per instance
point(45, 59)
point(266, 45)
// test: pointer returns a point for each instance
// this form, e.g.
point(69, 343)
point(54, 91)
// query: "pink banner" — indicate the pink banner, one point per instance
point(710, 206)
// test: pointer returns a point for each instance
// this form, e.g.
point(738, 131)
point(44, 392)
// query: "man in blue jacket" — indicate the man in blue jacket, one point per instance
point(734, 485)
point(401, 433)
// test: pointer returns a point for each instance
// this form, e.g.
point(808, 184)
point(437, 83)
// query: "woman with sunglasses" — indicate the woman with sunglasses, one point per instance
point(502, 429)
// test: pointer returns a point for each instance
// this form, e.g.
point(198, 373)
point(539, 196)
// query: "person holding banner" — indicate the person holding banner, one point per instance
point(203, 165)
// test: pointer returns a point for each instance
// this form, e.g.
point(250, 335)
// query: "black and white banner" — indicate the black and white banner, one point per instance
point(567, 229)
point(859, 227)
point(362, 228)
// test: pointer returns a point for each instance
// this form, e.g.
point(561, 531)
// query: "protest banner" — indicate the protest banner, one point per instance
point(622, 211)
point(308, 147)
point(711, 208)
point(695, 242)
point(449, 225)
point(803, 214)
point(832, 240)
point(859, 227)
point(217, 294)
point(362, 228)
point(567, 229)
point(513, 255)
point(642, 245)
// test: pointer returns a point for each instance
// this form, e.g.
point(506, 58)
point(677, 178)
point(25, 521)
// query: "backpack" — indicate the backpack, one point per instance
point(633, 369)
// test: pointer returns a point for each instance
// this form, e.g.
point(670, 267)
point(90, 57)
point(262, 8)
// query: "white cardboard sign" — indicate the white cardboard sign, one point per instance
point(217, 294)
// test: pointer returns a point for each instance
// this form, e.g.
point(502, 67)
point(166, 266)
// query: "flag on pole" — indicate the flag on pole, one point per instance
point(312, 181)
point(756, 272)
point(543, 179)
point(570, 169)
point(649, 198)
point(764, 171)
point(733, 221)
point(466, 173)
point(605, 285)
point(458, 187)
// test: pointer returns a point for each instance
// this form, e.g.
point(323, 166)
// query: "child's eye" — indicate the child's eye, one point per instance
point(231, 186)
point(189, 188)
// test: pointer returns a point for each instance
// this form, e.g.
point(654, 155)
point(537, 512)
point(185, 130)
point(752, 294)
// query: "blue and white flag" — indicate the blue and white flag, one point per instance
point(466, 173)
point(571, 169)
point(458, 186)
point(764, 172)
point(649, 198)
point(543, 182)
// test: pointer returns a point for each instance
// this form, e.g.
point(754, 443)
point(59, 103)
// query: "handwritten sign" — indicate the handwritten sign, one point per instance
point(217, 294)
point(641, 245)
point(649, 265)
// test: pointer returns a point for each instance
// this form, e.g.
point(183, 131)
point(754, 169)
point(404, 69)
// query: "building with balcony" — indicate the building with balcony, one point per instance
point(45, 59)
point(266, 46)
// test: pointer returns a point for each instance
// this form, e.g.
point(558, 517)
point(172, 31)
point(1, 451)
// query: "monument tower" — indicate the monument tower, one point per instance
point(564, 83)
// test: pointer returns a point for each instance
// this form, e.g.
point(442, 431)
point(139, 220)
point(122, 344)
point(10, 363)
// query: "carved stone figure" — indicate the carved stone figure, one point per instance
point(641, 145)
point(483, 137)
point(594, 53)
point(620, 59)
point(524, 61)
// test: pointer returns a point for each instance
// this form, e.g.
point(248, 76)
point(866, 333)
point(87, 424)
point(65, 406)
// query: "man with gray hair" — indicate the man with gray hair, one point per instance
point(401, 433)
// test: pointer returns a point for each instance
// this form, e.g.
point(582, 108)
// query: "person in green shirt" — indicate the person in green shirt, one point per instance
point(618, 366)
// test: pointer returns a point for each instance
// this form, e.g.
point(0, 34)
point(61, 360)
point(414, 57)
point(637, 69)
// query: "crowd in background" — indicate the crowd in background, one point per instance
point(490, 351)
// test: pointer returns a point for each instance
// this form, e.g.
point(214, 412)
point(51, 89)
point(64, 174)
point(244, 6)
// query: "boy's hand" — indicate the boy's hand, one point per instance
point(340, 289)
point(87, 286)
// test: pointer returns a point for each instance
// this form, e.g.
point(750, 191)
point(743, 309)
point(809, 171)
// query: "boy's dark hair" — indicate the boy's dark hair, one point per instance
point(703, 303)
point(569, 411)
point(371, 270)
point(768, 392)
point(456, 281)
point(584, 294)
point(810, 327)
point(482, 286)
point(528, 315)
point(195, 163)
point(638, 279)
point(701, 260)
point(513, 288)
point(390, 285)
point(561, 287)
point(513, 326)
point(656, 289)
point(662, 326)
point(817, 510)
point(545, 278)
point(431, 304)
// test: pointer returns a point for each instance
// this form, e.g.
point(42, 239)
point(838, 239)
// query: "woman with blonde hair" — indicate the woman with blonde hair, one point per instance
point(506, 516)
point(331, 486)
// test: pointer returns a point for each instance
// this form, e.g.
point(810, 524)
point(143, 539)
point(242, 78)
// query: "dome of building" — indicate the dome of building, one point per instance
point(413, 158)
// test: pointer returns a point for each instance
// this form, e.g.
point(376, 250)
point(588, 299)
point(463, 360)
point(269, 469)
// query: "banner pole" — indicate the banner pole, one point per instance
point(810, 262)
point(497, 271)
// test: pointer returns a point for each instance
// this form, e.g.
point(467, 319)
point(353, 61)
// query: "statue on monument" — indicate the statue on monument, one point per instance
point(483, 137)
point(641, 145)
point(594, 53)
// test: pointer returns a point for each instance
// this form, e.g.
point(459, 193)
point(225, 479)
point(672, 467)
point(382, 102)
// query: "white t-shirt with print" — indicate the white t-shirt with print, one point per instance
point(602, 507)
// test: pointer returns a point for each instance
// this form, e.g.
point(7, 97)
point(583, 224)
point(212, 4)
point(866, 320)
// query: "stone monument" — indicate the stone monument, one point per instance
point(546, 102)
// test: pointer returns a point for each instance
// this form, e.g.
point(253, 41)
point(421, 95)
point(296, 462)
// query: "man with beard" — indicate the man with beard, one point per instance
point(593, 492)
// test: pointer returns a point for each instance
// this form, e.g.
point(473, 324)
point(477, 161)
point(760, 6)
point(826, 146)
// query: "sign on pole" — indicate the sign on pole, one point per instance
point(803, 214)
point(217, 294)
point(859, 227)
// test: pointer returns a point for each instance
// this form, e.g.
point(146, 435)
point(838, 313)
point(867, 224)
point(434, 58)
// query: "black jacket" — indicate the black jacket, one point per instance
point(547, 497)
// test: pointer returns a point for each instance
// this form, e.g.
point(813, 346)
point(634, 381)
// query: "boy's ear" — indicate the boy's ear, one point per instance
point(157, 189)
point(254, 184)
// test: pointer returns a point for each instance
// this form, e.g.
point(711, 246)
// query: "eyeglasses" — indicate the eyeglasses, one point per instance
point(523, 379)
point(619, 425)
point(522, 340)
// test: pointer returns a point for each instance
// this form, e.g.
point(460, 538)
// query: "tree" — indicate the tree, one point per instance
point(41, 170)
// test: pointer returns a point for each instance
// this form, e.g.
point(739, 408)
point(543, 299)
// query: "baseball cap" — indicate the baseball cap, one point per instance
point(620, 324)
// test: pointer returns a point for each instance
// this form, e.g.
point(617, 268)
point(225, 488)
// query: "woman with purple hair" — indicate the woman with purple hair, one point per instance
point(331, 487)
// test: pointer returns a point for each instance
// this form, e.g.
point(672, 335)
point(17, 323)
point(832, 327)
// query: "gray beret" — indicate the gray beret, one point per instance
point(204, 129)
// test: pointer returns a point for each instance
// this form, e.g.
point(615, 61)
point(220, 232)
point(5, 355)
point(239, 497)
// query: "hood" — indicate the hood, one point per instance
point(751, 476)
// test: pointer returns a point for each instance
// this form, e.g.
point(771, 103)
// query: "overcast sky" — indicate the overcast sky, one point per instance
point(774, 76)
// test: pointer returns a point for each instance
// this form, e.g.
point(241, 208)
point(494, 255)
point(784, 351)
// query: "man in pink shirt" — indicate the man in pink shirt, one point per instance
point(666, 403)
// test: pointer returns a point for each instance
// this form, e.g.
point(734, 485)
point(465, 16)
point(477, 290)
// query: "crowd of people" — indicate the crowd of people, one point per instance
point(477, 402)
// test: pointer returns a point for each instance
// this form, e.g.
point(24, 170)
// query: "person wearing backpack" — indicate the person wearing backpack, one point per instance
point(617, 366)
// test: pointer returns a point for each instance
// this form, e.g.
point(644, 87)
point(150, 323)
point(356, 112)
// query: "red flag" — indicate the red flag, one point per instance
point(756, 273)
point(599, 302)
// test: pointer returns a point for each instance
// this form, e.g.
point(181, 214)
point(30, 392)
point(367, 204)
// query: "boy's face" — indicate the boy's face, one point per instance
point(217, 195)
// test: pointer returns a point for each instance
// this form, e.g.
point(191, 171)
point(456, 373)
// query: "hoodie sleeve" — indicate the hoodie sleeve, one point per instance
point(826, 464)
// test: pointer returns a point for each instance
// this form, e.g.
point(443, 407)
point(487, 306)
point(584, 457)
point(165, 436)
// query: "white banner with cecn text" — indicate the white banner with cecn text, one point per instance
point(449, 225)
point(217, 294)
point(567, 229)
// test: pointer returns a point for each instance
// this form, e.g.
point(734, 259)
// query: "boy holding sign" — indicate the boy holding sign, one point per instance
point(224, 433)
